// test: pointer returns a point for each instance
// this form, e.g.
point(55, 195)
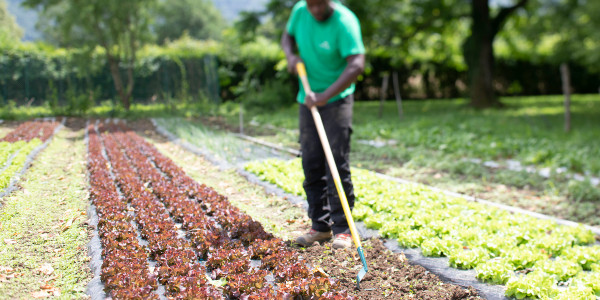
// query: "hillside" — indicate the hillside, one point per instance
point(27, 18)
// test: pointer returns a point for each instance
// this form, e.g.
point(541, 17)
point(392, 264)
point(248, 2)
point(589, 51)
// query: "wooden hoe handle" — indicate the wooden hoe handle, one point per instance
point(330, 161)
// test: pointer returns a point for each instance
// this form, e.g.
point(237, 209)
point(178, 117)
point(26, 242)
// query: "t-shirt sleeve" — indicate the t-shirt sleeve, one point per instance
point(292, 24)
point(350, 39)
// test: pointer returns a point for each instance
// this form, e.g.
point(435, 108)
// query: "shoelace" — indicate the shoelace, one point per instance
point(342, 235)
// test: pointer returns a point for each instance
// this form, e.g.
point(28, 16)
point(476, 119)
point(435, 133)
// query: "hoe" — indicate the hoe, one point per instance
point(336, 176)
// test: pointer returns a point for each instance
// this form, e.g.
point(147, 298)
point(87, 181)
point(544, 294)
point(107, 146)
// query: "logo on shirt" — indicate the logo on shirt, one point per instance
point(325, 45)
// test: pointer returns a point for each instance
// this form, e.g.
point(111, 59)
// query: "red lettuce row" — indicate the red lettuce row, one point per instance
point(161, 194)
point(177, 265)
point(31, 129)
point(120, 247)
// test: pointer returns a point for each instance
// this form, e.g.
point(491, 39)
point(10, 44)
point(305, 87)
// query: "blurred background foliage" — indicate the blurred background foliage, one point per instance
point(185, 50)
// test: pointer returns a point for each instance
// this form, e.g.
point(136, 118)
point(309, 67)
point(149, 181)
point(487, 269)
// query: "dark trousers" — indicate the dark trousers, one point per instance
point(324, 206)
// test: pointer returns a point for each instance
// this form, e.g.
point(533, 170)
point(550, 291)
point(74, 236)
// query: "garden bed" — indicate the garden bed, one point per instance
point(174, 234)
point(291, 179)
point(504, 248)
point(19, 147)
point(377, 285)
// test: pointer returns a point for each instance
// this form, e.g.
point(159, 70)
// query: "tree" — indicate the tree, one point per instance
point(120, 28)
point(269, 22)
point(567, 31)
point(479, 50)
point(247, 25)
point(9, 30)
point(199, 18)
point(406, 25)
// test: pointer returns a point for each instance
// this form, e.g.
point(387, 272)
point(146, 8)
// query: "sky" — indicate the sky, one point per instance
point(26, 19)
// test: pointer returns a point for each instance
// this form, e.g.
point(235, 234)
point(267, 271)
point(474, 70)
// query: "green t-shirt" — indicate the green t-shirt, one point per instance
point(324, 46)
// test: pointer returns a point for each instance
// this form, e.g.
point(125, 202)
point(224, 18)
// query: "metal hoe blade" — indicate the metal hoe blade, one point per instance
point(362, 271)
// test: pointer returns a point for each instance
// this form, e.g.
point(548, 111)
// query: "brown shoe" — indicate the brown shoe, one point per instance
point(342, 240)
point(312, 236)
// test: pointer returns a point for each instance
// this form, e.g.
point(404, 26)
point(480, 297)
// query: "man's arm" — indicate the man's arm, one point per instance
point(356, 65)
point(288, 43)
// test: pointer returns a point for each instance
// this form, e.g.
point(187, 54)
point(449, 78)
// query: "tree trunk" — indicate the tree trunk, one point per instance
point(118, 81)
point(383, 93)
point(397, 94)
point(130, 83)
point(479, 56)
point(566, 86)
point(478, 51)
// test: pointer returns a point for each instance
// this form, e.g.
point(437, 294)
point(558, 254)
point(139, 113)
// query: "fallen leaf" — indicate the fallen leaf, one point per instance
point(321, 272)
point(6, 269)
point(40, 294)
point(68, 224)
point(46, 269)
point(52, 290)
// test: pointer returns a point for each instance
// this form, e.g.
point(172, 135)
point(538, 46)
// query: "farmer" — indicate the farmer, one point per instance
point(328, 39)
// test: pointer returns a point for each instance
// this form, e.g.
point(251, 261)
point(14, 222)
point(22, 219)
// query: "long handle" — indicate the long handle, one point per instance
point(330, 161)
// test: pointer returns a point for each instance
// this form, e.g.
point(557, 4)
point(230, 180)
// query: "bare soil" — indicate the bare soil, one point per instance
point(389, 276)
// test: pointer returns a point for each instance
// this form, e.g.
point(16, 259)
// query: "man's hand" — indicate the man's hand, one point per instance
point(315, 99)
point(288, 44)
point(292, 61)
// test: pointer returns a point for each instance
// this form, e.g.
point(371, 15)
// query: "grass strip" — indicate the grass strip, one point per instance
point(43, 235)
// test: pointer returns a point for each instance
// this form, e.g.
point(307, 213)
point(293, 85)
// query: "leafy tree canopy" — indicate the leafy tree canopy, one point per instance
point(10, 32)
point(199, 18)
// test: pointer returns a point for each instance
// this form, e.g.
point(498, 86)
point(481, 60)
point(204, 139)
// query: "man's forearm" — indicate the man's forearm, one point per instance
point(287, 44)
point(356, 65)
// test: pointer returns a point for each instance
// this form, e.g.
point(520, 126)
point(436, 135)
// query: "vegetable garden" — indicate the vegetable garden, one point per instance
point(162, 234)
point(484, 184)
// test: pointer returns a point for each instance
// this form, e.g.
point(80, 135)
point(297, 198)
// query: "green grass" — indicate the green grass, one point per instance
point(435, 137)
point(44, 223)
point(530, 130)
point(107, 110)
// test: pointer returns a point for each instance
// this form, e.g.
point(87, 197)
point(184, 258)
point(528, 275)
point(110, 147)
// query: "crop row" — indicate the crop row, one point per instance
point(30, 130)
point(202, 245)
point(534, 258)
point(16, 146)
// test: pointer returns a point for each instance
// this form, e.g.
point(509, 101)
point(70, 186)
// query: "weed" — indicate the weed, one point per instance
point(583, 191)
